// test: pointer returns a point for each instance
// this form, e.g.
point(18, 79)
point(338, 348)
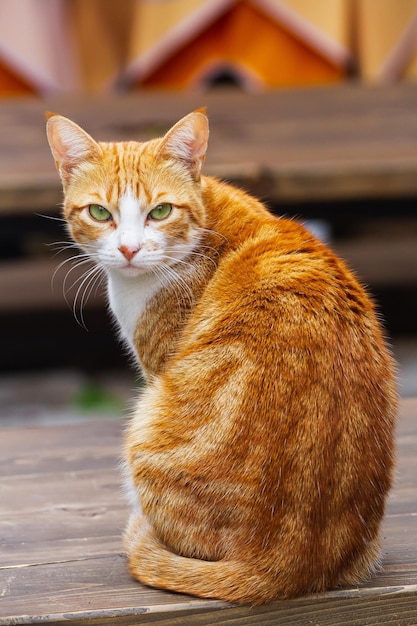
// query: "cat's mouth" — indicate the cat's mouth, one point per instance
point(131, 270)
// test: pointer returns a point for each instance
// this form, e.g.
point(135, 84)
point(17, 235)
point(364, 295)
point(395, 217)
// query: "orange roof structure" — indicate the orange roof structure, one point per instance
point(271, 43)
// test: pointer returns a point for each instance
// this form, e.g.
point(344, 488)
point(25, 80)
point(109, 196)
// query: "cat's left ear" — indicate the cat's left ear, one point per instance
point(187, 141)
point(70, 144)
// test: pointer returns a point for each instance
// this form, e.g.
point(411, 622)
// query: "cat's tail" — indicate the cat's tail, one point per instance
point(153, 564)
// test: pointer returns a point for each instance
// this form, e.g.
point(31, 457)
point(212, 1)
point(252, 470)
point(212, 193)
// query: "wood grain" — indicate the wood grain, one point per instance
point(62, 514)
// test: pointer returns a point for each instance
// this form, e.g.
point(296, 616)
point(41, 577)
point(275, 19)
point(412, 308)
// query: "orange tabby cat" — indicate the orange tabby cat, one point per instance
point(259, 457)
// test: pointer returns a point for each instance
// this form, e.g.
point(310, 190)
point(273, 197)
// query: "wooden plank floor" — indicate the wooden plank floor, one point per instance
point(61, 518)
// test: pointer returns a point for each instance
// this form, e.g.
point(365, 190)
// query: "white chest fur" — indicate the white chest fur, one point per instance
point(128, 297)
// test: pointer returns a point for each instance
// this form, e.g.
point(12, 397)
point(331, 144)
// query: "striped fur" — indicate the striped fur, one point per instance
point(259, 457)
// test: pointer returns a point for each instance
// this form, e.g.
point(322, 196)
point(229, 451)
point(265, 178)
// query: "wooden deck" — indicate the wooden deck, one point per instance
point(61, 518)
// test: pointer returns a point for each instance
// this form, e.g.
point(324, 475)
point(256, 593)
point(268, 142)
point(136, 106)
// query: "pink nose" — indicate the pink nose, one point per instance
point(128, 251)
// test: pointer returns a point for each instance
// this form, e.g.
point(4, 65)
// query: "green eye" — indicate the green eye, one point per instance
point(161, 211)
point(99, 213)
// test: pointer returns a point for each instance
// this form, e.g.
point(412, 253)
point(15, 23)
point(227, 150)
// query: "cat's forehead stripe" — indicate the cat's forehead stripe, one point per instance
point(126, 167)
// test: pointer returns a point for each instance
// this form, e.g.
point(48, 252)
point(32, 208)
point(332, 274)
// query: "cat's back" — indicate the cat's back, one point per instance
point(286, 318)
point(275, 271)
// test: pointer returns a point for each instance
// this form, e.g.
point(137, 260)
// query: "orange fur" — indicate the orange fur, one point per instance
point(260, 455)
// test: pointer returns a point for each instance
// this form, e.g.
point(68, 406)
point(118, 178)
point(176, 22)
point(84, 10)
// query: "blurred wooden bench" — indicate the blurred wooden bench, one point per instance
point(62, 515)
point(332, 144)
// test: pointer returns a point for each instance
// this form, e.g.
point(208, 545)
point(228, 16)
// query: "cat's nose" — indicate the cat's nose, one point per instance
point(129, 251)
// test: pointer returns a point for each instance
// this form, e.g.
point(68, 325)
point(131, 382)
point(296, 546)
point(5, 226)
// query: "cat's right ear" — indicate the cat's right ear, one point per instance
point(70, 144)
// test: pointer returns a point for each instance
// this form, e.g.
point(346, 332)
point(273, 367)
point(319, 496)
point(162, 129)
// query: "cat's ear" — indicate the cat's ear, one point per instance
point(187, 141)
point(70, 144)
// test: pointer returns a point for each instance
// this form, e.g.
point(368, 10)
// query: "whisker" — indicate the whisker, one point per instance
point(211, 248)
point(80, 260)
point(198, 253)
point(77, 262)
point(51, 217)
point(215, 233)
point(85, 282)
point(67, 289)
point(63, 245)
point(208, 258)
point(178, 280)
point(188, 263)
point(90, 280)
point(162, 275)
point(78, 278)
point(182, 291)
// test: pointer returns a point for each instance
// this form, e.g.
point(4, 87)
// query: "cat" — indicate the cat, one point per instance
point(260, 454)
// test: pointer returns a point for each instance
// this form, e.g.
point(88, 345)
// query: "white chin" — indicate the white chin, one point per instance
point(132, 271)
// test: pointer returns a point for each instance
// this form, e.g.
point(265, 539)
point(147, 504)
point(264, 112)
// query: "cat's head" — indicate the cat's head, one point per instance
point(131, 205)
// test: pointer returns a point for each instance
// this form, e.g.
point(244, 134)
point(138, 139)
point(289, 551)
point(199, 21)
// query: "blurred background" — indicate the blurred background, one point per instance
point(313, 107)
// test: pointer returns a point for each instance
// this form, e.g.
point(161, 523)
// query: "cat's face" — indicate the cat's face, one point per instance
point(133, 207)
